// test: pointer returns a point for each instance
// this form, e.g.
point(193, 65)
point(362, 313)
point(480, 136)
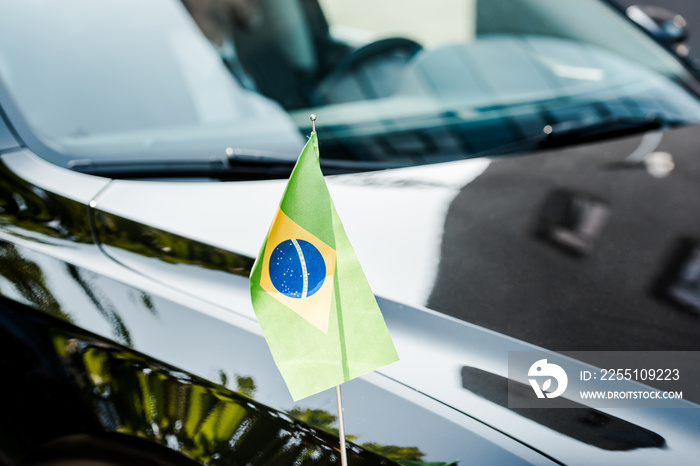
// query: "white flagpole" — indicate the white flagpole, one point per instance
point(341, 428)
point(338, 399)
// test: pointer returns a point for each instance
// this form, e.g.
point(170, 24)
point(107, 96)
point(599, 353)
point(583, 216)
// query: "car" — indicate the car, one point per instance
point(516, 177)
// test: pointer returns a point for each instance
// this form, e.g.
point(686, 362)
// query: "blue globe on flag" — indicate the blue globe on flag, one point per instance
point(297, 268)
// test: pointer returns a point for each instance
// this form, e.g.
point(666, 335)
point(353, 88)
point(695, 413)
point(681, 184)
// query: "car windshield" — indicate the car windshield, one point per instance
point(394, 81)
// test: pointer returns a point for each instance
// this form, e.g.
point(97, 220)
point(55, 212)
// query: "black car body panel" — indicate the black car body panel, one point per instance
point(66, 275)
point(125, 313)
point(85, 385)
point(126, 289)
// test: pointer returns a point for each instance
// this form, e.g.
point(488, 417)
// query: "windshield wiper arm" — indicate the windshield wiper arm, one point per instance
point(155, 167)
point(585, 131)
point(236, 167)
point(577, 131)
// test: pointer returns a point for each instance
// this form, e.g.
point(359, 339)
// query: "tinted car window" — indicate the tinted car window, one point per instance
point(139, 80)
point(128, 79)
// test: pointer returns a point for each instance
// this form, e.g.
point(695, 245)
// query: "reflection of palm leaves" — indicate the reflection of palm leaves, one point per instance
point(29, 281)
point(316, 418)
point(103, 306)
point(151, 242)
point(394, 452)
point(148, 302)
point(209, 424)
point(40, 211)
point(326, 421)
point(246, 386)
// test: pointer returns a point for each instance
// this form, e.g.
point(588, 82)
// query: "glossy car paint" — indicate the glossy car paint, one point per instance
point(490, 210)
point(446, 232)
point(105, 387)
point(114, 258)
point(48, 235)
point(137, 317)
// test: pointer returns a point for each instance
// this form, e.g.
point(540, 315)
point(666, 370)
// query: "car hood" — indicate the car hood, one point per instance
point(587, 231)
point(448, 246)
point(559, 248)
point(398, 212)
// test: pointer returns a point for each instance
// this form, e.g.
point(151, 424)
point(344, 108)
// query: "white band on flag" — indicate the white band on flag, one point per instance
point(304, 273)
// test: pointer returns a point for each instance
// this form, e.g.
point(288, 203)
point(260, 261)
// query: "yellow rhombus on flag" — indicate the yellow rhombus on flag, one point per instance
point(312, 299)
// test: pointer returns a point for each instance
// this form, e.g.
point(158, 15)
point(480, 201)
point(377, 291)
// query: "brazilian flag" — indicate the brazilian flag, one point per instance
point(312, 299)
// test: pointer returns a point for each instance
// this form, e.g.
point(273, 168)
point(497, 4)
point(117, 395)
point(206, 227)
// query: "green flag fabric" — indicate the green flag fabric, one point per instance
point(316, 309)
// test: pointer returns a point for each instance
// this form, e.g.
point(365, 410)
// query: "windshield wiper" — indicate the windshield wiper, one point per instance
point(570, 132)
point(241, 165)
point(576, 131)
point(236, 167)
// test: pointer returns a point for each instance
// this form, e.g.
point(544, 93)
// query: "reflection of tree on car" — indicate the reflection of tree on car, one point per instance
point(143, 398)
point(201, 418)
